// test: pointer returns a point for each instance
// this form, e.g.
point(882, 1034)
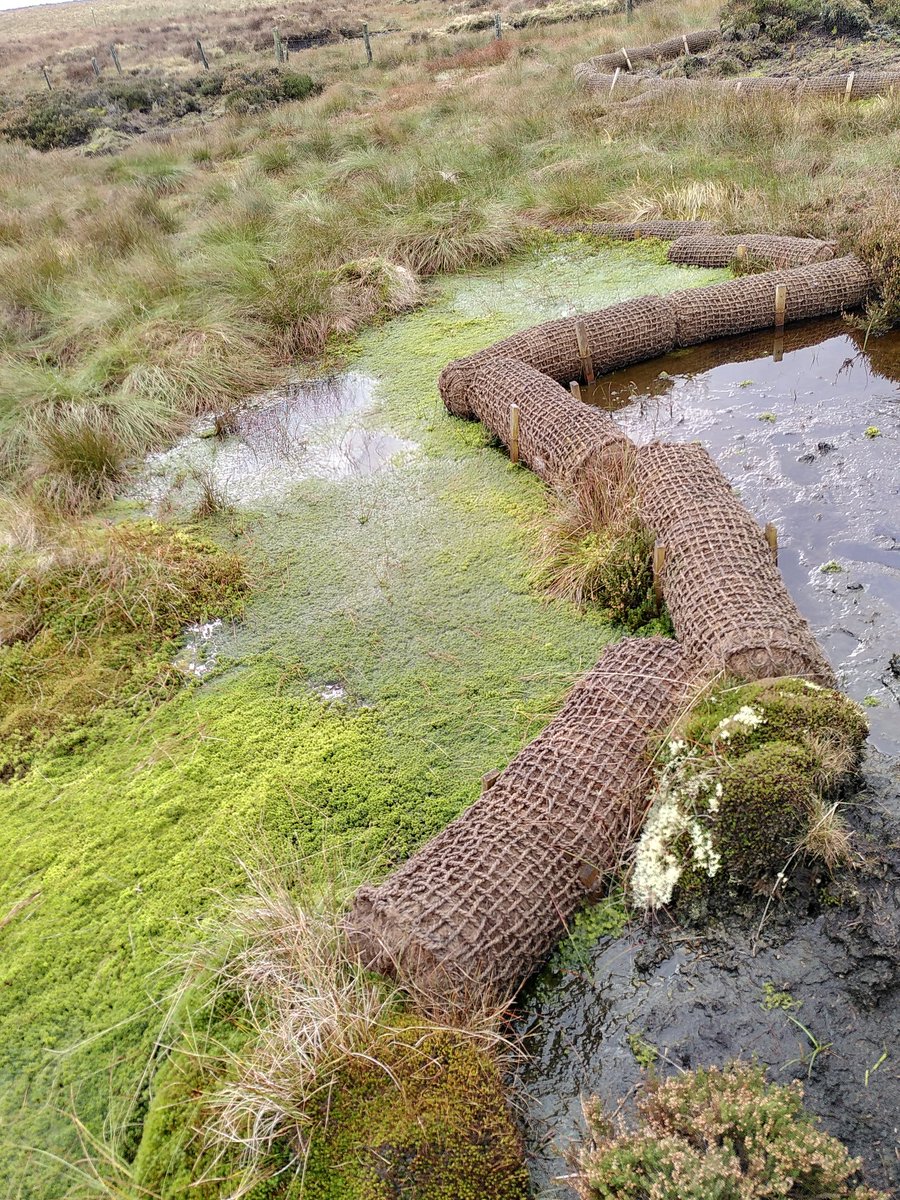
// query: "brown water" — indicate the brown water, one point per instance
point(786, 420)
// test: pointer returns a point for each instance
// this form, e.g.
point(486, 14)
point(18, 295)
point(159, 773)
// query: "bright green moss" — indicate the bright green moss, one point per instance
point(743, 784)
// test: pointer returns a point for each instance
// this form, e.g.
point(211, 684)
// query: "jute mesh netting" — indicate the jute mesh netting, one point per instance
point(558, 435)
point(628, 231)
point(641, 88)
point(724, 592)
point(616, 337)
point(710, 250)
point(673, 47)
point(478, 908)
point(742, 305)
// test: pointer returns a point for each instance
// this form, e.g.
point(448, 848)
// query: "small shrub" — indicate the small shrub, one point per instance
point(52, 122)
point(717, 1134)
point(846, 17)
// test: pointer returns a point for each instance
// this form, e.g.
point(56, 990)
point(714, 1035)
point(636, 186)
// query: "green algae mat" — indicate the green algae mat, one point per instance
point(392, 651)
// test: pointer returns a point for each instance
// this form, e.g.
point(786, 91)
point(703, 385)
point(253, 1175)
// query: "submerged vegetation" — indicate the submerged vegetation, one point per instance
point(393, 651)
point(719, 1135)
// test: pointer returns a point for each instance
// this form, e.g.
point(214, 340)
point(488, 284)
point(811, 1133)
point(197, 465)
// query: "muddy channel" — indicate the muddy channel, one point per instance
point(807, 982)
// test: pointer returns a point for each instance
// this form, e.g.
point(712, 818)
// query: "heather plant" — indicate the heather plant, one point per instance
point(719, 1134)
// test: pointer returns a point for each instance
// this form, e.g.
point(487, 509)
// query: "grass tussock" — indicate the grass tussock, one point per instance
point(594, 552)
point(90, 616)
point(328, 1053)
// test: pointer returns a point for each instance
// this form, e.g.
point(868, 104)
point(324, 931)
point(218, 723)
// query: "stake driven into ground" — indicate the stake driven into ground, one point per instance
point(139, 289)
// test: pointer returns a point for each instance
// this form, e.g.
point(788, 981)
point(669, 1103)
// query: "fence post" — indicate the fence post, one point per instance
point(47, 77)
point(115, 57)
point(684, 43)
point(514, 433)
point(96, 66)
point(780, 304)
point(849, 87)
point(772, 539)
point(498, 26)
point(584, 351)
point(203, 57)
point(740, 257)
point(629, 10)
point(575, 389)
point(276, 38)
point(368, 44)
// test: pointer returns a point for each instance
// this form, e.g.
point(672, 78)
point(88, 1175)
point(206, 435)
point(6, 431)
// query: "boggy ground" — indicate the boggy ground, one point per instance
point(392, 651)
point(806, 982)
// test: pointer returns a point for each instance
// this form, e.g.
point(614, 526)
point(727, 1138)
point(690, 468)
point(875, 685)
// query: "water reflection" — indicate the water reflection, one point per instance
point(807, 427)
point(313, 429)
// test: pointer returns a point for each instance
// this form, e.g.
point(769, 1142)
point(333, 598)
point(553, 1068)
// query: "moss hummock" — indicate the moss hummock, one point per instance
point(743, 784)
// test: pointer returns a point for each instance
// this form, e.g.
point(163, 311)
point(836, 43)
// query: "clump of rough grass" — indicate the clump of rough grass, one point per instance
point(277, 959)
point(593, 549)
point(719, 1135)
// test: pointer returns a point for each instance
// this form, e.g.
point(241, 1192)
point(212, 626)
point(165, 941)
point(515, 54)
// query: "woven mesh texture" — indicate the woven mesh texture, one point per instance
point(709, 250)
point(672, 47)
point(725, 595)
point(742, 305)
point(628, 231)
point(639, 89)
point(477, 909)
point(558, 434)
point(617, 337)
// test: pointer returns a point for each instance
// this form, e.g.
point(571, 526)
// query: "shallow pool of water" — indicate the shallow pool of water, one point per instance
point(808, 429)
point(312, 429)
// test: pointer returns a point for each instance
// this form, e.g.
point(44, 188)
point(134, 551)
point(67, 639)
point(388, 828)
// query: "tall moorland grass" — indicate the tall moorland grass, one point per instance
point(138, 290)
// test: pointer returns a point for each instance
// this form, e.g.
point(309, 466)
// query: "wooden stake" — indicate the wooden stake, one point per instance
point(498, 26)
point(47, 77)
point(627, 59)
point(115, 57)
point(780, 304)
point(615, 79)
point(584, 351)
point(96, 66)
point(659, 562)
point(276, 38)
point(772, 539)
point(368, 44)
point(778, 348)
point(514, 433)
point(203, 57)
point(849, 87)
point(687, 48)
point(489, 779)
point(629, 11)
point(740, 256)
point(575, 389)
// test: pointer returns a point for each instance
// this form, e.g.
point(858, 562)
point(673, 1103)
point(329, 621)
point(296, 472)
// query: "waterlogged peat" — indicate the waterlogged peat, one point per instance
point(807, 984)
point(807, 427)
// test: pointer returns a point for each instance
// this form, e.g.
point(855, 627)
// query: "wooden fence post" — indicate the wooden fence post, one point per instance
point(96, 66)
point(368, 44)
point(47, 78)
point(772, 539)
point(684, 42)
point(849, 87)
point(584, 351)
point(514, 433)
point(203, 57)
point(780, 304)
point(498, 26)
point(115, 57)
point(629, 11)
point(276, 38)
